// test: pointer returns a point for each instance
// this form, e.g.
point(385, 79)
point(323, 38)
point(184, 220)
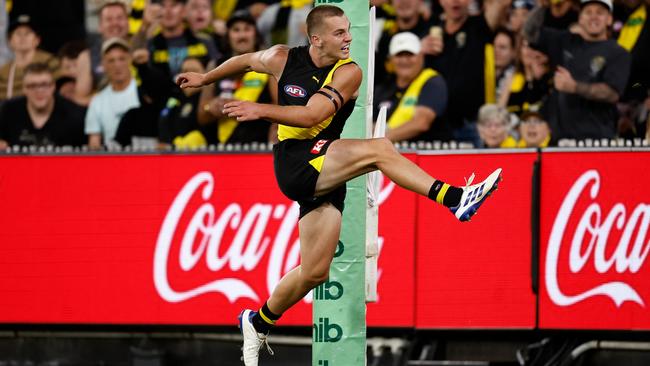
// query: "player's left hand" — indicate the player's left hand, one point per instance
point(242, 110)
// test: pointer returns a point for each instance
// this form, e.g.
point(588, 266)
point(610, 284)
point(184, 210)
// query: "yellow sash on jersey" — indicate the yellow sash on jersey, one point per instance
point(489, 75)
point(406, 107)
point(632, 28)
point(251, 88)
point(300, 133)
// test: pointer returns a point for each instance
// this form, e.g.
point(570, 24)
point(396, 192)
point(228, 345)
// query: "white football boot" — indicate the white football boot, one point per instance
point(253, 341)
point(474, 195)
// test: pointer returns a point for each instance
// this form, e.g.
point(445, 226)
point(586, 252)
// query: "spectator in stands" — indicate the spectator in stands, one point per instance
point(75, 64)
point(591, 72)
point(505, 55)
point(460, 50)
point(40, 117)
point(224, 10)
point(408, 18)
point(519, 14)
point(560, 14)
point(5, 53)
point(178, 125)
point(23, 41)
point(121, 94)
point(415, 97)
point(61, 20)
point(176, 42)
point(530, 84)
point(113, 22)
point(198, 14)
point(494, 127)
point(634, 36)
point(284, 23)
point(533, 129)
point(242, 38)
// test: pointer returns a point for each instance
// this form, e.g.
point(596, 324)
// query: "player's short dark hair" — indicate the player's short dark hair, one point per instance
point(318, 14)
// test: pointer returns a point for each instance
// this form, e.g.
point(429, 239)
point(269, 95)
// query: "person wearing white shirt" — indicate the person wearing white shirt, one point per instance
point(111, 103)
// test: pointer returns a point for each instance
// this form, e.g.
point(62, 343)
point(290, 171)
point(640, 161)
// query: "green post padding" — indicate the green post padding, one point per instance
point(339, 319)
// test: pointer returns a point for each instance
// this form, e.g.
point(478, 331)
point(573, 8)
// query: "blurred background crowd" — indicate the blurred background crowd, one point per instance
point(491, 73)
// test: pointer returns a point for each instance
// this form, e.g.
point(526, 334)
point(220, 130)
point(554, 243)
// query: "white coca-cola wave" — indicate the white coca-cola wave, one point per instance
point(209, 227)
point(241, 254)
point(597, 231)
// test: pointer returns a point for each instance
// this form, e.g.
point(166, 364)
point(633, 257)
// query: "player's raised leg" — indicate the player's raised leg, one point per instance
point(349, 158)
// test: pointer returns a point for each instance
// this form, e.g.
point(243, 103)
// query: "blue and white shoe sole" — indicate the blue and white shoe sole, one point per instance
point(472, 210)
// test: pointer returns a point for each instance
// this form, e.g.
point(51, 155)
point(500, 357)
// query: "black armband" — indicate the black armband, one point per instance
point(331, 88)
point(336, 105)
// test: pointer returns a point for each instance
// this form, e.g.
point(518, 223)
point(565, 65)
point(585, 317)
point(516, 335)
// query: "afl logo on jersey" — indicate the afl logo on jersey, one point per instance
point(295, 91)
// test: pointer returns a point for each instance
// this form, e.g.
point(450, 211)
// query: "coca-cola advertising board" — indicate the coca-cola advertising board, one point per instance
point(595, 213)
point(177, 239)
point(477, 274)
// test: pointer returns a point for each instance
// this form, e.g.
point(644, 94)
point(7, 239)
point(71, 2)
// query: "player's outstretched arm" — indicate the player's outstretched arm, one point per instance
point(270, 61)
point(346, 81)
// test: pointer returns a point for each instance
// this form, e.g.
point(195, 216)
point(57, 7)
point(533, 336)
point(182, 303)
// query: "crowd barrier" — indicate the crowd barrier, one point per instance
point(190, 239)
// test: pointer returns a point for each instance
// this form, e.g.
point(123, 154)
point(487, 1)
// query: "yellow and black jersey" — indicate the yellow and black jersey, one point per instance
point(301, 79)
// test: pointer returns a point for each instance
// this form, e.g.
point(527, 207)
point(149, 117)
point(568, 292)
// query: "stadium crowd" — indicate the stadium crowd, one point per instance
point(493, 73)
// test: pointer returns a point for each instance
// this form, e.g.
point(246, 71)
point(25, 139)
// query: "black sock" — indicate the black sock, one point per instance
point(264, 319)
point(445, 194)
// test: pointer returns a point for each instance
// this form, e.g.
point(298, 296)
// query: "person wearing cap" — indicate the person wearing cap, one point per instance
point(120, 95)
point(23, 41)
point(40, 117)
point(408, 18)
point(415, 96)
point(591, 72)
point(534, 131)
point(242, 37)
point(318, 87)
point(176, 41)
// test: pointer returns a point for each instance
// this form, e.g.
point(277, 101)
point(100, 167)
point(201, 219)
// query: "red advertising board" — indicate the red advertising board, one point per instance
point(595, 213)
point(477, 274)
point(172, 239)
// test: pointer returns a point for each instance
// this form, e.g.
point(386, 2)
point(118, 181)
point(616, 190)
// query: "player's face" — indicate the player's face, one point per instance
point(336, 37)
point(594, 19)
